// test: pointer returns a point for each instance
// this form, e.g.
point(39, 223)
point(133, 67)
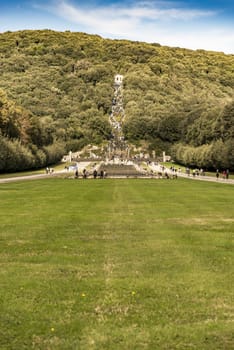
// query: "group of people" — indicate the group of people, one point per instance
point(224, 173)
point(195, 172)
point(49, 170)
point(102, 174)
point(85, 174)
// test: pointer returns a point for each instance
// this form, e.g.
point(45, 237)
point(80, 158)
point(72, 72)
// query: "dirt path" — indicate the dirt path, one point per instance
point(26, 177)
point(207, 178)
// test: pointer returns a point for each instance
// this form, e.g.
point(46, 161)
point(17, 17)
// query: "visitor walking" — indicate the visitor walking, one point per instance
point(84, 174)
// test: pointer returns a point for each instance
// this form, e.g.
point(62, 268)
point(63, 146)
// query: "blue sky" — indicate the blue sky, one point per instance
point(202, 24)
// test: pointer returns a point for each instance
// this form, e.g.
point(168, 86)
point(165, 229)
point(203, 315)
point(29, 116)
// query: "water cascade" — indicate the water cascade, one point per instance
point(118, 147)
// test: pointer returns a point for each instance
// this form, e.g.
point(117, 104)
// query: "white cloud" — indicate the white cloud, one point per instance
point(137, 11)
point(149, 21)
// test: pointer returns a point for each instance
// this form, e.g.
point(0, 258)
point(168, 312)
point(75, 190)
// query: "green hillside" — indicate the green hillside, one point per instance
point(176, 100)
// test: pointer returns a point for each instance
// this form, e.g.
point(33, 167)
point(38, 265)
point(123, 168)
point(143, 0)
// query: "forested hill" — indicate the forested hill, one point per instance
point(57, 91)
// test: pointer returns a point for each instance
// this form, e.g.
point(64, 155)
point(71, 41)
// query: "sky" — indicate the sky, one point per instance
point(193, 24)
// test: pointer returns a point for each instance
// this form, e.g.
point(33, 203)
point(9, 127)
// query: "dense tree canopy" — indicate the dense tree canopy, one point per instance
point(58, 89)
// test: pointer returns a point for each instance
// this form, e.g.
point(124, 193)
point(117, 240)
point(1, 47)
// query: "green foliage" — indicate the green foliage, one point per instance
point(169, 129)
point(217, 154)
point(227, 122)
point(62, 85)
point(53, 152)
point(14, 156)
point(26, 142)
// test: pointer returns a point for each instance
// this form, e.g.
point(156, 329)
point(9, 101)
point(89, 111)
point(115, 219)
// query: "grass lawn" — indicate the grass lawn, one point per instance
point(116, 264)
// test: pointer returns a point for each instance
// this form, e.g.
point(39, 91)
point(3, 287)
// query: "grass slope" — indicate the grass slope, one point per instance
point(116, 264)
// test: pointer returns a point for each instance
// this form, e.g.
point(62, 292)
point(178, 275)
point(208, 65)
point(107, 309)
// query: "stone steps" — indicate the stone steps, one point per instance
point(120, 170)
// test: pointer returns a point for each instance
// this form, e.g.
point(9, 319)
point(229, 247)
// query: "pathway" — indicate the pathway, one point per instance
point(158, 168)
point(81, 166)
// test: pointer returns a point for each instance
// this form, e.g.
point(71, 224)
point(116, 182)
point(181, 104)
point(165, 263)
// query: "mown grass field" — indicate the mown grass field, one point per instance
point(116, 264)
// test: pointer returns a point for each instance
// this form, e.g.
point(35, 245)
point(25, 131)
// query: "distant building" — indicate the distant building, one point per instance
point(118, 79)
